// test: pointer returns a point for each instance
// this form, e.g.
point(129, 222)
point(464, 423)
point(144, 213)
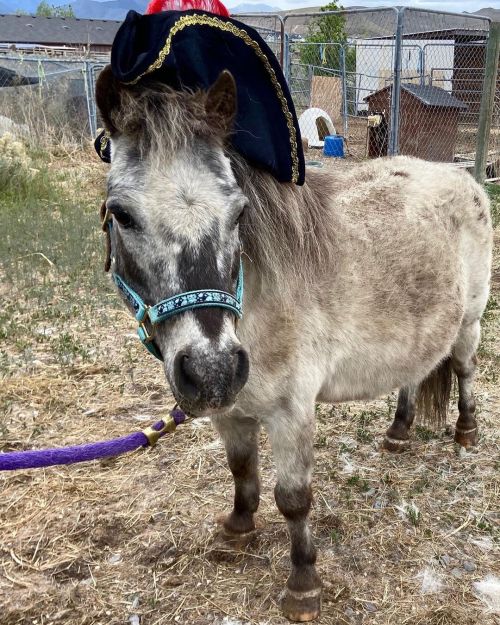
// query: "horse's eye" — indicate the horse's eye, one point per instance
point(121, 216)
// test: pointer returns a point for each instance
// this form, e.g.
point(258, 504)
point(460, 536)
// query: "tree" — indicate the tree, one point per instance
point(325, 40)
point(44, 9)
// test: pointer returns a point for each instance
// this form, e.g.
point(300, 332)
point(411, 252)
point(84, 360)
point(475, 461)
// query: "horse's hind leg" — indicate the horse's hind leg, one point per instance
point(397, 437)
point(291, 438)
point(240, 439)
point(464, 364)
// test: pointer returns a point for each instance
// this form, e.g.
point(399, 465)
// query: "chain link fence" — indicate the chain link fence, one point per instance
point(50, 100)
point(391, 81)
point(493, 164)
point(334, 60)
point(441, 124)
point(388, 81)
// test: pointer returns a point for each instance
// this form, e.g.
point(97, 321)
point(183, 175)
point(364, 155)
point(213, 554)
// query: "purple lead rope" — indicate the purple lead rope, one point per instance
point(37, 458)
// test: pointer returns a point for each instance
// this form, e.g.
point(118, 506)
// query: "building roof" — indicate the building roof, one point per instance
point(459, 34)
point(56, 30)
point(430, 96)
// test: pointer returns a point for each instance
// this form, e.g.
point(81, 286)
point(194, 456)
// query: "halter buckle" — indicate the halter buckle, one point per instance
point(145, 335)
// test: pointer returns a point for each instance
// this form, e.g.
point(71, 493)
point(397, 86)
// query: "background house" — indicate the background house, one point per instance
point(452, 59)
point(59, 34)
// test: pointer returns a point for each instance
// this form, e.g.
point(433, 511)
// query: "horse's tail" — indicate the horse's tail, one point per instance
point(433, 395)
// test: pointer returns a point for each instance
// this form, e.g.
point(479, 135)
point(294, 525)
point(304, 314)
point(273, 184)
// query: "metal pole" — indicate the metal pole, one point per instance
point(89, 92)
point(286, 58)
point(310, 82)
point(282, 42)
point(422, 66)
point(343, 69)
point(393, 148)
point(487, 102)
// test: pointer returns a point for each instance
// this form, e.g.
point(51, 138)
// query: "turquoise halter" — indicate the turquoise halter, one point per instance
point(167, 308)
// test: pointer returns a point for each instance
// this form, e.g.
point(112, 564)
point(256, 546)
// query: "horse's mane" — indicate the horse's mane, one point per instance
point(287, 230)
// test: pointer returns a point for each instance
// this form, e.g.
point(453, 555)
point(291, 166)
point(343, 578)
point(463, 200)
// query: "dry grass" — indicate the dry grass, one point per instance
point(402, 539)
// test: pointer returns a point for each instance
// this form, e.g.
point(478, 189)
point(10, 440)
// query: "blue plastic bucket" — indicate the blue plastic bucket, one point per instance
point(334, 146)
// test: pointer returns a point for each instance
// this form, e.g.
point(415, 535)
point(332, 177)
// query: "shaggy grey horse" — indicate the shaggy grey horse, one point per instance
point(357, 283)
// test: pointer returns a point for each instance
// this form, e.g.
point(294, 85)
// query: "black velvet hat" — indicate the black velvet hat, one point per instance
point(190, 49)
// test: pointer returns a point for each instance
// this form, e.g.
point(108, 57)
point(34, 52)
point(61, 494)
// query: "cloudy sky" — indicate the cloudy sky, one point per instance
point(441, 5)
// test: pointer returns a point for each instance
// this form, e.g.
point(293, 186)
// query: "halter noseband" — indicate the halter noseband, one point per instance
point(205, 298)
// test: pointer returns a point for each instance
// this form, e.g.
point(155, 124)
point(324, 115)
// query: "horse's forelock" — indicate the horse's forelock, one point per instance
point(161, 120)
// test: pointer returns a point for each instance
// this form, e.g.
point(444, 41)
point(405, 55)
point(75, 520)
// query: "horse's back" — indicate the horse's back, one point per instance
point(422, 188)
point(410, 235)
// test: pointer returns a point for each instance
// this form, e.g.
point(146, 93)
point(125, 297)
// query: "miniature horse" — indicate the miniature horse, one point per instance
point(361, 281)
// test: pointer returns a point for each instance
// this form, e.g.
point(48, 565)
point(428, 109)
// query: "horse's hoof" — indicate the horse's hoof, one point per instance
point(236, 542)
point(466, 438)
point(231, 539)
point(395, 445)
point(301, 607)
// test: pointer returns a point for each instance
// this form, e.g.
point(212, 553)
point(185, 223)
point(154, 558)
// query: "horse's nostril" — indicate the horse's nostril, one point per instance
point(241, 368)
point(188, 382)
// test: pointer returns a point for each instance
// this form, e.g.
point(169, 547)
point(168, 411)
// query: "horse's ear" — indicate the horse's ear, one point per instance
point(107, 95)
point(221, 101)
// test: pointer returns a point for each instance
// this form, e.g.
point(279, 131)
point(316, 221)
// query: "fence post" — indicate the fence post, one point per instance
point(282, 40)
point(286, 57)
point(343, 69)
point(89, 93)
point(487, 102)
point(393, 148)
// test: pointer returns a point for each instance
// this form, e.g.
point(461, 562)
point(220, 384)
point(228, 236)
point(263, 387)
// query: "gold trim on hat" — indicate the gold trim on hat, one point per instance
point(206, 20)
point(103, 143)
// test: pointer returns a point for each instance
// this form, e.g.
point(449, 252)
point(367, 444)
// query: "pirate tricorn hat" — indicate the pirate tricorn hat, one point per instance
point(190, 49)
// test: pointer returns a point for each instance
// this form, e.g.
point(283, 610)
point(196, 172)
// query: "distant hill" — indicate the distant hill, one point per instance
point(246, 7)
point(493, 14)
point(375, 23)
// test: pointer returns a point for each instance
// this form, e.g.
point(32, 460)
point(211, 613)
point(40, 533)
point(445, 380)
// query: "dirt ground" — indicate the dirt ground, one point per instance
point(409, 539)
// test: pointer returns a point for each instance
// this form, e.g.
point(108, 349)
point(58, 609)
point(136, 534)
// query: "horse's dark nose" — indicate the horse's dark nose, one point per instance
point(210, 380)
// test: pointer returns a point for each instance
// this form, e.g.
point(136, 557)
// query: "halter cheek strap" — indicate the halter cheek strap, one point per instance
point(167, 308)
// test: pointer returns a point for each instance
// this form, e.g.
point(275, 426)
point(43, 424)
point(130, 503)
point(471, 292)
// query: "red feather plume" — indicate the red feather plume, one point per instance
point(212, 6)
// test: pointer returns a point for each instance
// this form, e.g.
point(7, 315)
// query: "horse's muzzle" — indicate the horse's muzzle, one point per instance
point(205, 383)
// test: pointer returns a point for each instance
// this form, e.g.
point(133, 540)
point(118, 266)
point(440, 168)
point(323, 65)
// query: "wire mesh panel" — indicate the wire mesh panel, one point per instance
point(47, 99)
point(334, 61)
point(439, 110)
point(493, 165)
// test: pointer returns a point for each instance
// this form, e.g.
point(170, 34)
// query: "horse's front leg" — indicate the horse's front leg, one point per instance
point(240, 436)
point(292, 443)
